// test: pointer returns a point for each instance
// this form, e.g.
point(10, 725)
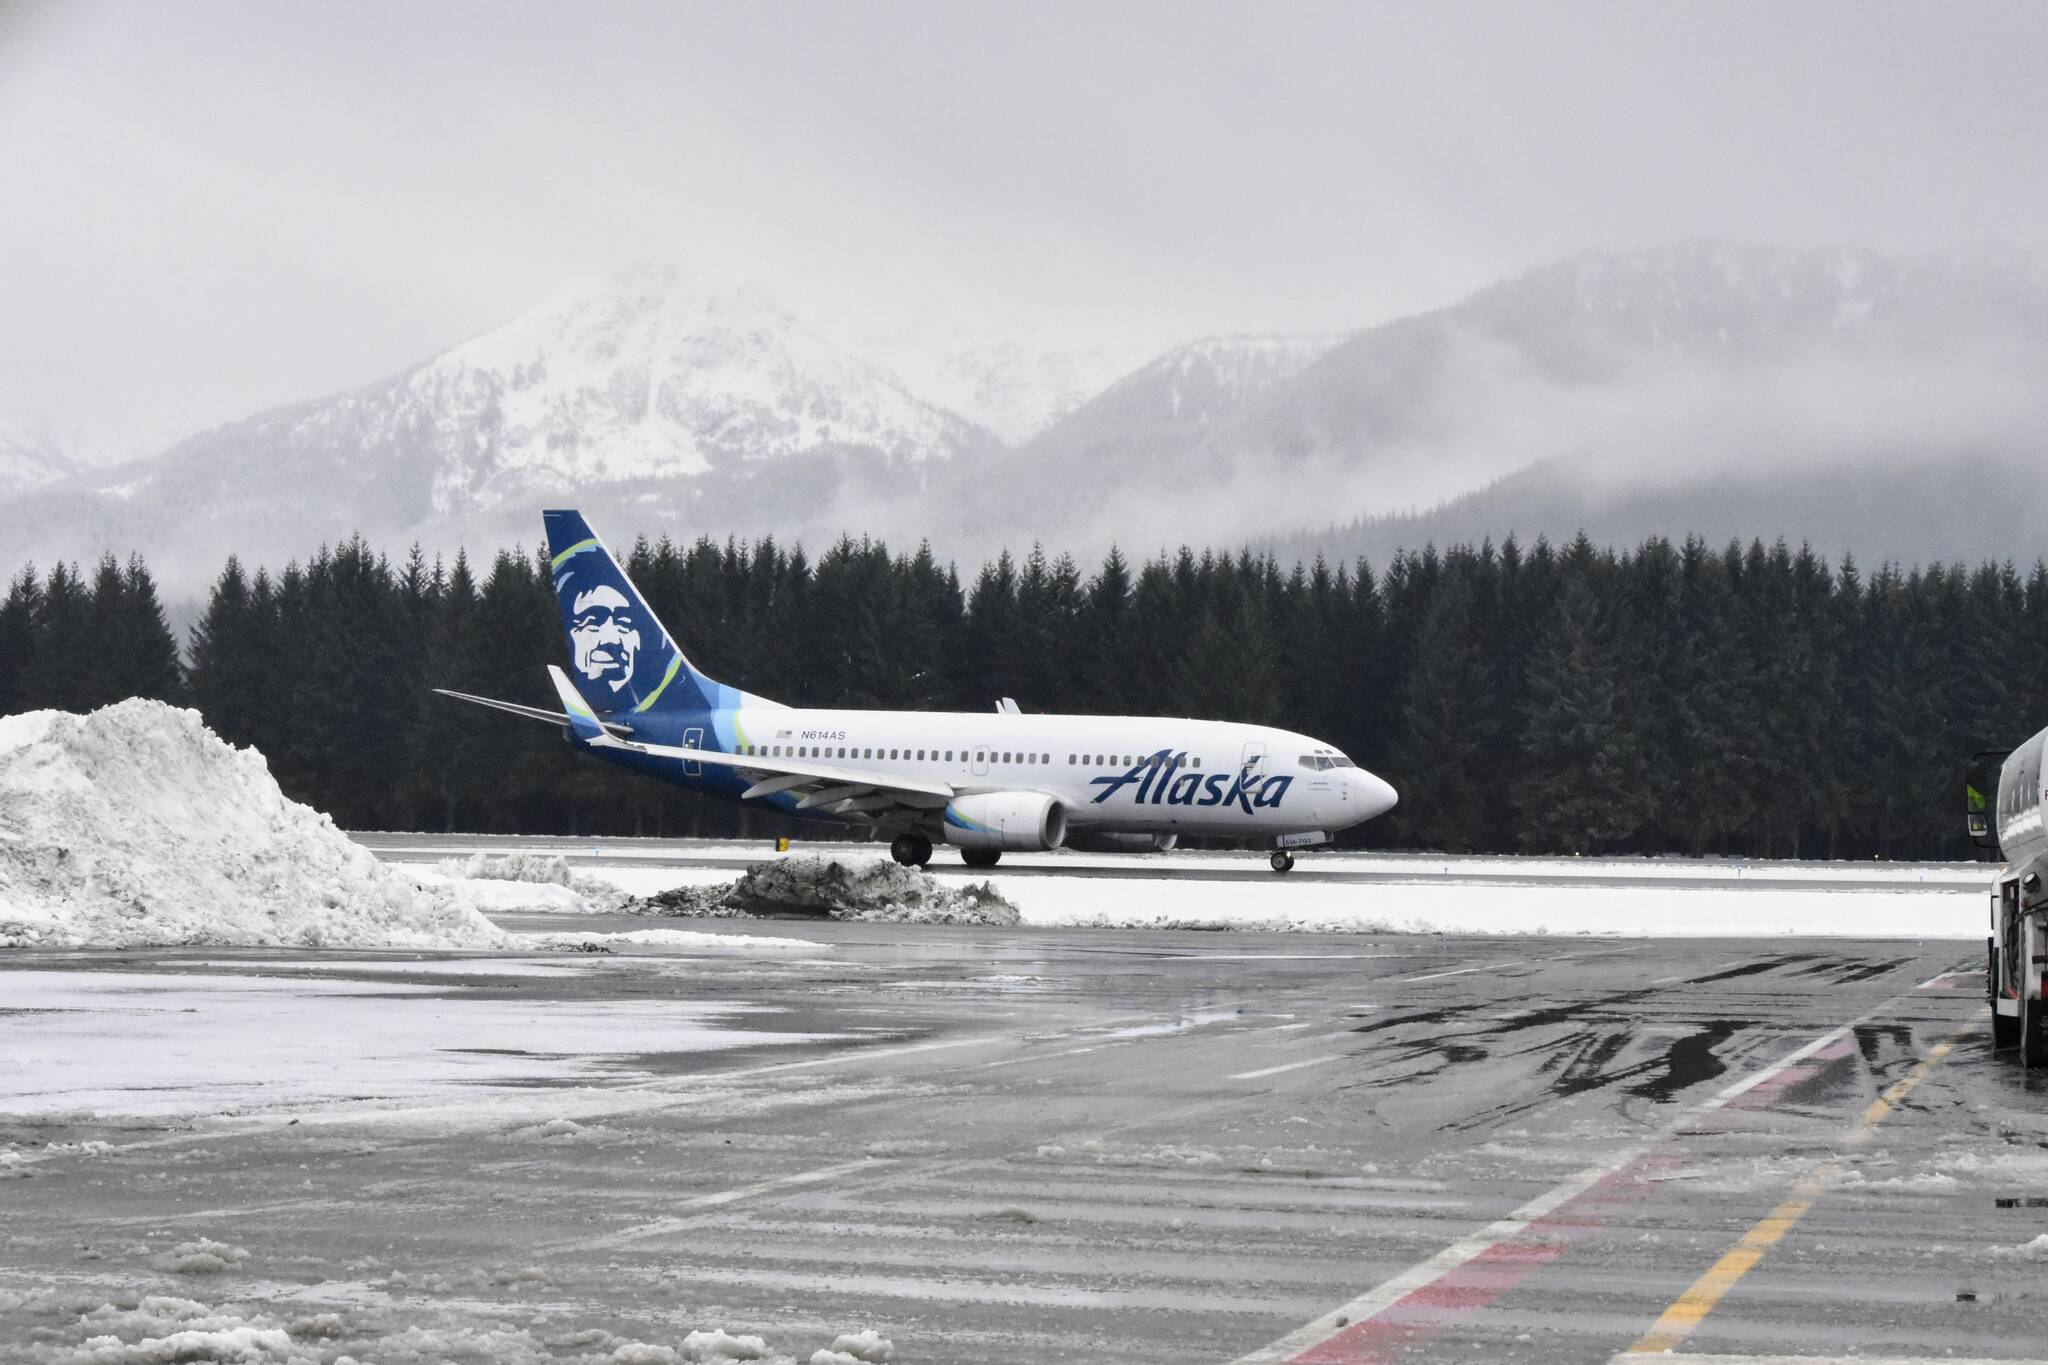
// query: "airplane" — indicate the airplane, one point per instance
point(985, 783)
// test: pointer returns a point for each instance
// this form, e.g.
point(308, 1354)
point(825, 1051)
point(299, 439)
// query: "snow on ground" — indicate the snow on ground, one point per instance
point(1951, 905)
point(91, 1326)
point(615, 856)
point(204, 1044)
point(135, 825)
point(685, 939)
point(1452, 908)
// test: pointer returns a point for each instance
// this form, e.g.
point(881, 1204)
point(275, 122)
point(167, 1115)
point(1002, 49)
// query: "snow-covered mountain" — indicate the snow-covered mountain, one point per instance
point(1655, 381)
point(31, 456)
point(1889, 404)
point(1015, 388)
point(701, 402)
point(1137, 439)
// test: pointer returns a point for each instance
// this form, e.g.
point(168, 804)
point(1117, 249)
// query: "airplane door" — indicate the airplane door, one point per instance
point(980, 761)
point(1253, 764)
point(693, 739)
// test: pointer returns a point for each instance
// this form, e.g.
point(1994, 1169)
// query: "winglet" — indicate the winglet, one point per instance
point(582, 719)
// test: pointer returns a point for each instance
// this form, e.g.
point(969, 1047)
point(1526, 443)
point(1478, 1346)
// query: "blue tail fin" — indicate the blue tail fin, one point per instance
point(622, 661)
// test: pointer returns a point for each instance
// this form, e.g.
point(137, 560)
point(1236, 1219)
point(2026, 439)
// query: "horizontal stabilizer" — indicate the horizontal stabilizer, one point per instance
point(530, 712)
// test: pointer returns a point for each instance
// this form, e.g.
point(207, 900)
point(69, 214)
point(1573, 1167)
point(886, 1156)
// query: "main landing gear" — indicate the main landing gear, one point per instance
point(1282, 860)
point(981, 857)
point(912, 850)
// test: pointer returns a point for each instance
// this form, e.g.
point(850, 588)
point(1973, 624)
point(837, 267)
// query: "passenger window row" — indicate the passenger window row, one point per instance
point(946, 756)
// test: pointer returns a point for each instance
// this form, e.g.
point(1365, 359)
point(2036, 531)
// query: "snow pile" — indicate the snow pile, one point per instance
point(136, 826)
point(202, 1257)
point(590, 894)
point(719, 1344)
point(867, 1346)
point(869, 889)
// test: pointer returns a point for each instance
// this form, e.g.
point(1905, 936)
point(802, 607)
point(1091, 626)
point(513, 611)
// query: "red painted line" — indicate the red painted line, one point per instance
point(1769, 1092)
point(1424, 1312)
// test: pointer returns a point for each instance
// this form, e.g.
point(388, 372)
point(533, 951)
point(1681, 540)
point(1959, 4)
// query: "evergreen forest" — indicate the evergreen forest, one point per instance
point(1671, 698)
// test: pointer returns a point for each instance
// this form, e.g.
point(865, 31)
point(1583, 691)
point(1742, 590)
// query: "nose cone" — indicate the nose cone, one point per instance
point(1374, 796)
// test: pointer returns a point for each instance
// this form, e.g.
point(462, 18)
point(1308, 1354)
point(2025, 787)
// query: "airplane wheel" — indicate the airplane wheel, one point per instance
point(1282, 860)
point(2033, 1043)
point(981, 857)
point(912, 850)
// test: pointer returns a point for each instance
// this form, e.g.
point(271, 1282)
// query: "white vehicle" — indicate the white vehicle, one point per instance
point(985, 783)
point(2019, 903)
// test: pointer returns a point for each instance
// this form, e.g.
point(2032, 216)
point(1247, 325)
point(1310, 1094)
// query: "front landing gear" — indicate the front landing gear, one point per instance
point(912, 850)
point(1282, 860)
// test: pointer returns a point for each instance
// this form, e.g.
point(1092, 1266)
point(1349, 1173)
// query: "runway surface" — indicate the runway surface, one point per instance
point(1047, 1145)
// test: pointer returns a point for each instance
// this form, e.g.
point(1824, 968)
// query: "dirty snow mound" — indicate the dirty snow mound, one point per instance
point(869, 889)
point(136, 826)
point(539, 869)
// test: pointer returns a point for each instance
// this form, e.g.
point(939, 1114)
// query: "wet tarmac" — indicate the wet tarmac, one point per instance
point(1071, 1145)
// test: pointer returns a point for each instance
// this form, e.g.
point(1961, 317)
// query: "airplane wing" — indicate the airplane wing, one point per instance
point(819, 787)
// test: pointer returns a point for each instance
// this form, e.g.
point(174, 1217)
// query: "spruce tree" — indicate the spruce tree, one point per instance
point(227, 674)
point(60, 674)
point(1444, 761)
point(1581, 752)
point(20, 643)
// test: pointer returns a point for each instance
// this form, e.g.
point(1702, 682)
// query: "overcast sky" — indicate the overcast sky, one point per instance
point(211, 207)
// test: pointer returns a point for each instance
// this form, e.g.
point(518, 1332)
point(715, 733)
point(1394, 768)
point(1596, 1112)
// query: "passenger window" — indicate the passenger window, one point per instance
point(1198, 760)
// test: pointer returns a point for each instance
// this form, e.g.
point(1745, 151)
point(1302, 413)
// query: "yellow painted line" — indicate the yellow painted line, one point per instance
point(1683, 1317)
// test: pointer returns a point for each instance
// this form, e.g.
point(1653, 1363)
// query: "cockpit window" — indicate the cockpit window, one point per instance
point(1323, 759)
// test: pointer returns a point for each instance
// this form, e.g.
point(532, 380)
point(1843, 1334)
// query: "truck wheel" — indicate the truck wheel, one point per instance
point(2033, 1046)
point(2005, 1031)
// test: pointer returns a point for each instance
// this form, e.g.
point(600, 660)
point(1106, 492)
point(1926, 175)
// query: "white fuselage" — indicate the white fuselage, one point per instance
point(1140, 774)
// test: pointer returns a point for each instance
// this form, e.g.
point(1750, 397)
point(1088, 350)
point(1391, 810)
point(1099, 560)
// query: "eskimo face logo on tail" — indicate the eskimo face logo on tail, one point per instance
point(1164, 779)
point(605, 635)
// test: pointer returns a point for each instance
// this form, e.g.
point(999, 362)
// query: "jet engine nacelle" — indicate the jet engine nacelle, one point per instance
point(1010, 821)
point(1121, 841)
